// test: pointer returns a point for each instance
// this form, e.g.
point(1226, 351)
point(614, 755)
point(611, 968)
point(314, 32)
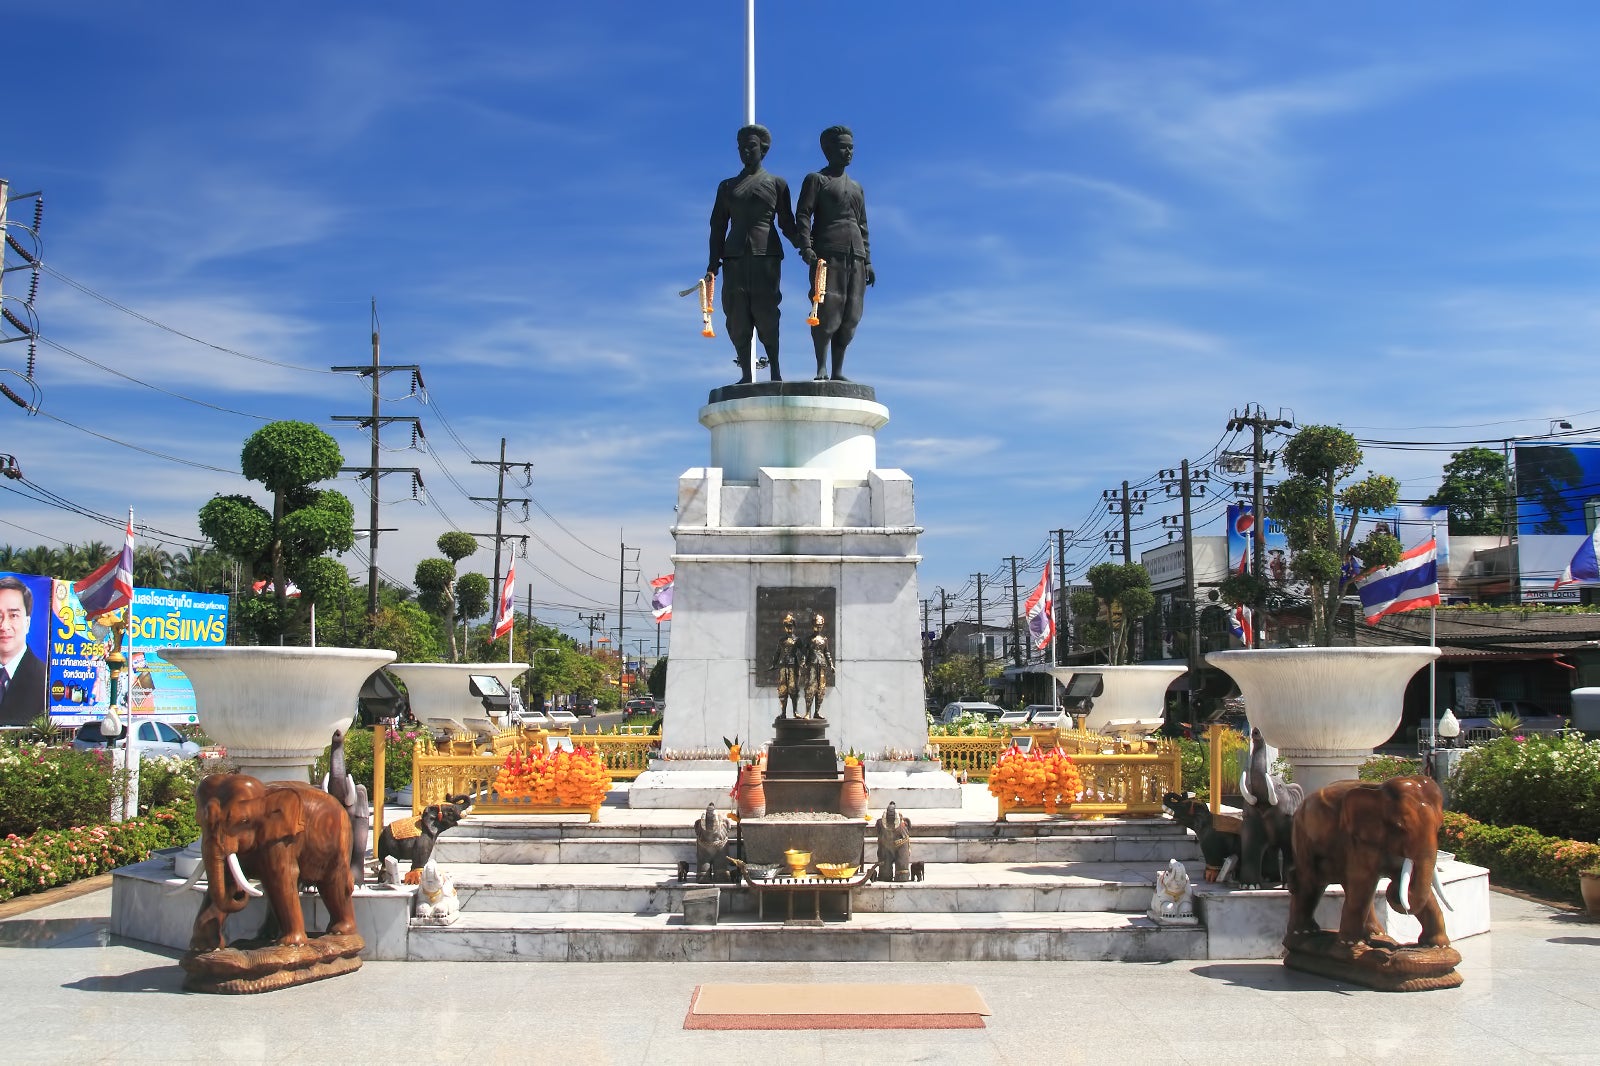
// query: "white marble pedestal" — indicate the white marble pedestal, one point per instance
point(796, 501)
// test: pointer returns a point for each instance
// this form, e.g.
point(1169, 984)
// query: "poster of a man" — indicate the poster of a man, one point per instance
point(22, 669)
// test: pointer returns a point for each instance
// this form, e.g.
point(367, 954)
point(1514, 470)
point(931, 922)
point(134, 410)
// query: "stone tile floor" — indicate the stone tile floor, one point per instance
point(1532, 995)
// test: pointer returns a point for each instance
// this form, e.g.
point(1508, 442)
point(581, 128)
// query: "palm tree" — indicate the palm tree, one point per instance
point(40, 560)
point(152, 567)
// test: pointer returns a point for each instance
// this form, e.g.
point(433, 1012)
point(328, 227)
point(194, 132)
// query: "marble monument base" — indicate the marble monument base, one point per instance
point(690, 784)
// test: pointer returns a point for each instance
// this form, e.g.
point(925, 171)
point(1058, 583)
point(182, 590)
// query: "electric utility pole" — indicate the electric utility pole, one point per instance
point(1179, 482)
point(1127, 503)
point(1255, 419)
point(594, 622)
point(1063, 644)
point(374, 470)
point(983, 639)
point(622, 586)
point(1016, 612)
point(500, 501)
point(27, 323)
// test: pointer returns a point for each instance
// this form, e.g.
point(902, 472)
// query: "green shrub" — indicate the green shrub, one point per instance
point(1548, 783)
point(1235, 754)
point(358, 757)
point(1518, 856)
point(1383, 767)
point(52, 788)
point(52, 857)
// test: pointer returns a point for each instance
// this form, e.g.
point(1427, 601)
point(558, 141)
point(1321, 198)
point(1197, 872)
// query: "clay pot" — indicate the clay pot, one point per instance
point(1590, 883)
point(853, 792)
point(752, 792)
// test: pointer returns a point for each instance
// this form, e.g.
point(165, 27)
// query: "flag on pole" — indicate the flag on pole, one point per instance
point(1410, 583)
point(508, 600)
point(266, 588)
point(1241, 622)
point(661, 598)
point(1585, 565)
point(111, 585)
point(1041, 613)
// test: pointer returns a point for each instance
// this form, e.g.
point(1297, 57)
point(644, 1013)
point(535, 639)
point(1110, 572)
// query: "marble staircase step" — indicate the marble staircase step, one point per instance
point(869, 937)
point(947, 888)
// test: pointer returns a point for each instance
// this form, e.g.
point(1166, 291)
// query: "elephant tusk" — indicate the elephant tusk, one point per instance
point(1244, 789)
point(238, 875)
point(199, 868)
point(1405, 886)
point(1438, 890)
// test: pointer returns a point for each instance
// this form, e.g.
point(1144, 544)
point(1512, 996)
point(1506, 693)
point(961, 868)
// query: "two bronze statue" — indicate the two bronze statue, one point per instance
point(829, 230)
point(803, 668)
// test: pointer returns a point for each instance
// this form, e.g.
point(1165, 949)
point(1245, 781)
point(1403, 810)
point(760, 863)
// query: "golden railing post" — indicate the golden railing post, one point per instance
point(1214, 736)
point(380, 746)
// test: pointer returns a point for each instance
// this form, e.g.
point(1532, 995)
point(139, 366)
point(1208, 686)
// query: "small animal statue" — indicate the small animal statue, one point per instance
point(894, 846)
point(437, 903)
point(1173, 900)
point(711, 846)
point(341, 785)
point(1268, 822)
point(1220, 849)
point(412, 839)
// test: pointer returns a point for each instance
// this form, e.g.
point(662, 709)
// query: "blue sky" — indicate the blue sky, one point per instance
point(1098, 229)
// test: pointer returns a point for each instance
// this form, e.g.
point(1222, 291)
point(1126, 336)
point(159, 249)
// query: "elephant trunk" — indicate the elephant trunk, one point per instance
point(229, 889)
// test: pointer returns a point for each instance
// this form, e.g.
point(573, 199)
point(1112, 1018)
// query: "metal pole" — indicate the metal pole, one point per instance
point(1433, 640)
point(499, 516)
point(750, 62)
point(372, 523)
point(1016, 611)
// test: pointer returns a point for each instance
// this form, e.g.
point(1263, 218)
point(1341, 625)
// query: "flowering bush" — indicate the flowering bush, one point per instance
point(1035, 779)
point(52, 788)
point(576, 778)
point(54, 857)
point(1383, 767)
point(1548, 783)
point(1520, 856)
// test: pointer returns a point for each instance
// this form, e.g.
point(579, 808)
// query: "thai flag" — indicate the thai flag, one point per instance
point(1241, 622)
point(661, 598)
point(1041, 612)
point(1410, 583)
point(508, 599)
point(111, 585)
point(1585, 565)
point(266, 588)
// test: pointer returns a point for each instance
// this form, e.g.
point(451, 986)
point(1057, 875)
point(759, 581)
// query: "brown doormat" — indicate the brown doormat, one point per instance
point(835, 1006)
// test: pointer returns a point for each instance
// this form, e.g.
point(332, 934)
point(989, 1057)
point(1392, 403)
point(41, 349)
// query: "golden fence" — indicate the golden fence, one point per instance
point(1120, 777)
point(458, 766)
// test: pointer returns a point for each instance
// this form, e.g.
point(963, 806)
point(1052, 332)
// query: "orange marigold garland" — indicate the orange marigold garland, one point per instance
point(708, 296)
point(819, 294)
point(1045, 779)
point(576, 778)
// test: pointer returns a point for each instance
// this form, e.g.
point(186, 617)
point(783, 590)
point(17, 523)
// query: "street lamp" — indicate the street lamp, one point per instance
point(1449, 728)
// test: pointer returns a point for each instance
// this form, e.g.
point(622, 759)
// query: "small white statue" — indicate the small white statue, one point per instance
point(436, 896)
point(1173, 902)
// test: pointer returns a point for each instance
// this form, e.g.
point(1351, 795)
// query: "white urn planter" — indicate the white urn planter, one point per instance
point(1324, 709)
point(275, 709)
point(1134, 698)
point(440, 690)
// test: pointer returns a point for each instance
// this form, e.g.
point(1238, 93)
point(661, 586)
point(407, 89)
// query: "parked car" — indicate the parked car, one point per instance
point(156, 740)
point(1479, 725)
point(953, 711)
point(639, 705)
point(586, 706)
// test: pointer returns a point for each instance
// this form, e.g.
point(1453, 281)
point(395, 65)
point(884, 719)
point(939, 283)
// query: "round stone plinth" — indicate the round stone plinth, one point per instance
point(826, 425)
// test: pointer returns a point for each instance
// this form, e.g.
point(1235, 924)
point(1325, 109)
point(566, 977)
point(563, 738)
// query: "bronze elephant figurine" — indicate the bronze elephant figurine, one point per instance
point(282, 833)
point(1355, 832)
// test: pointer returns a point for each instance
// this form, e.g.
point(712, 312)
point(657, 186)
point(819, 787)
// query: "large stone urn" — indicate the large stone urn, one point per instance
point(441, 690)
point(275, 709)
point(1133, 699)
point(1324, 709)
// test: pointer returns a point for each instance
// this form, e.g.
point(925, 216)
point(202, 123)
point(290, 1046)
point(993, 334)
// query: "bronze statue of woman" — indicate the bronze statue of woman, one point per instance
point(832, 220)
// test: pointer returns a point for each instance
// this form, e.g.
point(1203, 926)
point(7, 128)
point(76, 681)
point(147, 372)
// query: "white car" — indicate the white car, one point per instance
point(156, 740)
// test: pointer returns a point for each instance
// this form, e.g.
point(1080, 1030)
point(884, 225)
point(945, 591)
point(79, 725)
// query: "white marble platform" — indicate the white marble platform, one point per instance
point(924, 787)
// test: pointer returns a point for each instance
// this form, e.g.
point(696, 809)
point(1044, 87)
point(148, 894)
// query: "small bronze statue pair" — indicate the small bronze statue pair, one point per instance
point(802, 669)
point(829, 230)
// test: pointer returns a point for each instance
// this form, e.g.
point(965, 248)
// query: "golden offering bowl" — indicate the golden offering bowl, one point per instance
point(797, 861)
point(836, 870)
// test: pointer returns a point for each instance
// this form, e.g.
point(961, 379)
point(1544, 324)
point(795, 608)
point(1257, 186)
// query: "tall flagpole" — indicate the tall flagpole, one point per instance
point(130, 802)
point(1433, 639)
point(750, 62)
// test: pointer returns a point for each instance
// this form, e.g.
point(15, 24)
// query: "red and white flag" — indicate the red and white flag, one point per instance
point(1041, 613)
point(110, 586)
point(508, 599)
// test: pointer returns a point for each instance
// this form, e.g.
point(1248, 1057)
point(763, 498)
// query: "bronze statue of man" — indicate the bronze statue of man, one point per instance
point(819, 661)
point(832, 219)
point(750, 211)
point(789, 661)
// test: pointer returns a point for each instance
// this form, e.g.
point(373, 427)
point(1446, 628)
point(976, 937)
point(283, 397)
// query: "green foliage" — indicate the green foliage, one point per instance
point(51, 857)
point(658, 678)
point(397, 750)
point(1197, 763)
point(968, 725)
point(1549, 783)
point(957, 678)
point(1520, 856)
point(289, 455)
point(1506, 722)
point(51, 788)
point(1383, 767)
point(1476, 489)
point(1120, 597)
point(456, 545)
point(1320, 459)
point(472, 595)
point(238, 525)
point(405, 629)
